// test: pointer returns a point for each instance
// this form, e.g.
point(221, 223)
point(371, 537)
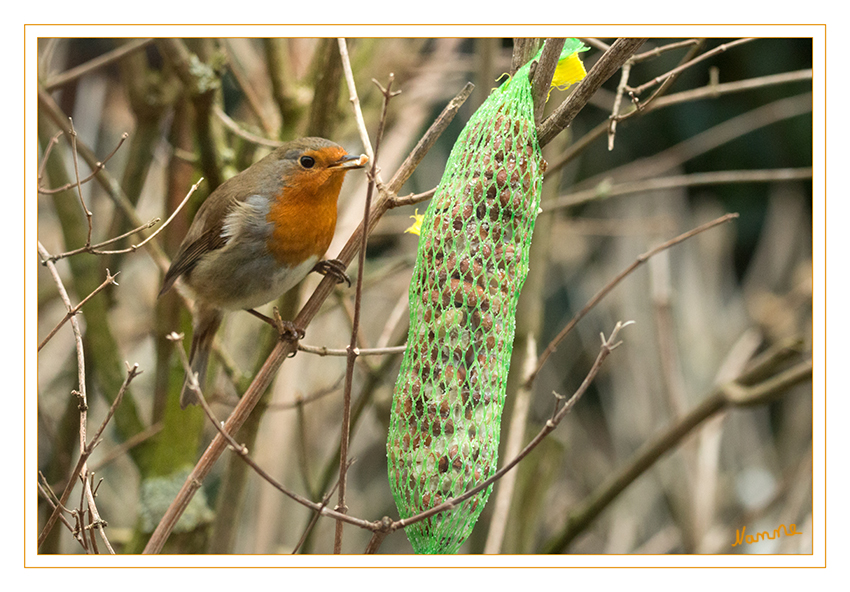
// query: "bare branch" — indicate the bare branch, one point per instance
point(354, 99)
point(733, 394)
point(110, 279)
point(86, 451)
point(602, 70)
point(98, 166)
point(374, 351)
point(355, 324)
point(106, 59)
point(613, 283)
point(709, 54)
point(677, 181)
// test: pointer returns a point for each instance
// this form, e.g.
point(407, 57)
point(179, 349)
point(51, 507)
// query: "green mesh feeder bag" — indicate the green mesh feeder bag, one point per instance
point(471, 262)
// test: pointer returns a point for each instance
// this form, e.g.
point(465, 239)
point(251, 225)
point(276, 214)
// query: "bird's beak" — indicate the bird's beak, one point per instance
point(349, 161)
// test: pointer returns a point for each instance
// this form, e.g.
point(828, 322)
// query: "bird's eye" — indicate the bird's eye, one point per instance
point(307, 162)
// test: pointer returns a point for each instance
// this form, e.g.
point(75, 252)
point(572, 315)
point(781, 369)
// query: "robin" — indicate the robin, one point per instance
point(257, 236)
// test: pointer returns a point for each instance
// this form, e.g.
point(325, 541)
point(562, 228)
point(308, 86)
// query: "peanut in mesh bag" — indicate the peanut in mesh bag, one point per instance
point(472, 261)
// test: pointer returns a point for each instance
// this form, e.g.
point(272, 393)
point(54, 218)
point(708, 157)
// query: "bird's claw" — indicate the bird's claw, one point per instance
point(335, 268)
point(287, 330)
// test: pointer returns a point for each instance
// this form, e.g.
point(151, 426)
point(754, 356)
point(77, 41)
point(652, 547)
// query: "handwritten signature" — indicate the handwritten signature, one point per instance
point(742, 537)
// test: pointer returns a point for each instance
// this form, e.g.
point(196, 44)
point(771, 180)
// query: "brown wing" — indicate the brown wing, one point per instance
point(204, 234)
point(189, 254)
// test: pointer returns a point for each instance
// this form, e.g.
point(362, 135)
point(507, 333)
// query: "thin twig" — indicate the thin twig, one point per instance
point(668, 82)
point(621, 88)
point(354, 99)
point(85, 453)
point(315, 518)
point(355, 325)
point(98, 166)
point(242, 450)
point(109, 57)
point(657, 51)
point(110, 279)
point(732, 394)
point(595, 43)
point(112, 186)
point(412, 199)
point(244, 134)
point(80, 393)
point(714, 91)
point(95, 250)
point(133, 248)
point(49, 495)
point(47, 150)
point(605, 191)
point(720, 133)
point(677, 70)
point(78, 184)
point(372, 351)
point(716, 136)
point(122, 448)
point(550, 349)
point(96, 523)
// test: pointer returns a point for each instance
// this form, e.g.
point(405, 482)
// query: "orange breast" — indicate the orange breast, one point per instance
point(304, 217)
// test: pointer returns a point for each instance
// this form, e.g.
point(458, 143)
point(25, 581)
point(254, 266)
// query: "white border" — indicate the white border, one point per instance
point(819, 188)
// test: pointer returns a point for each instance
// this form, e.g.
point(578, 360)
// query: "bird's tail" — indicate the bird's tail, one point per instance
point(207, 322)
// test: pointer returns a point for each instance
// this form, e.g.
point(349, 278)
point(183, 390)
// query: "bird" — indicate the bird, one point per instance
point(258, 235)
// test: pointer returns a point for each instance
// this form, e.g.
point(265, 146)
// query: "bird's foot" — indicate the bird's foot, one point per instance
point(287, 330)
point(334, 268)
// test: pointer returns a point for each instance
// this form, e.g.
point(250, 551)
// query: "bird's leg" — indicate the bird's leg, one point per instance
point(333, 267)
point(287, 330)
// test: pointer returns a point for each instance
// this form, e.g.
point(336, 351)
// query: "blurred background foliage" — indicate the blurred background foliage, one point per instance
point(703, 310)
